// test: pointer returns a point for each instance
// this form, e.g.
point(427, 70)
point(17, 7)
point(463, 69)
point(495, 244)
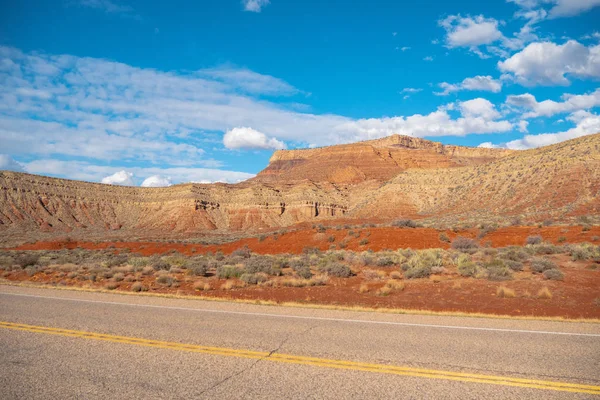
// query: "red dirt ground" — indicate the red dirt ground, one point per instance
point(379, 238)
point(578, 296)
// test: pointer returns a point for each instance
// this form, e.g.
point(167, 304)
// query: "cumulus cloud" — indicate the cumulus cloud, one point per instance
point(557, 8)
point(93, 173)
point(470, 31)
point(7, 163)
point(248, 138)
point(104, 112)
point(122, 178)
point(479, 108)
point(157, 181)
point(547, 108)
point(255, 5)
point(586, 123)
point(547, 63)
point(479, 83)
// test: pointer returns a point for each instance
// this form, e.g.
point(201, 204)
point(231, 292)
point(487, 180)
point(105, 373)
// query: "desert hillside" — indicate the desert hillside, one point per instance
point(380, 180)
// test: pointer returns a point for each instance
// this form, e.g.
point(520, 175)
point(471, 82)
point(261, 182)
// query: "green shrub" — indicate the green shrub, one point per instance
point(197, 268)
point(514, 265)
point(243, 252)
point(497, 270)
point(466, 266)
point(513, 253)
point(253, 279)
point(535, 239)
point(26, 260)
point(229, 271)
point(385, 261)
point(405, 223)
point(540, 265)
point(580, 253)
point(161, 265)
point(463, 243)
point(336, 269)
point(264, 264)
point(553, 274)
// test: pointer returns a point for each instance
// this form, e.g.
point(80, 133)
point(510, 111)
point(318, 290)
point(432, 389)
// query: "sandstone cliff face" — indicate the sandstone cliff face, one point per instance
point(379, 159)
point(385, 179)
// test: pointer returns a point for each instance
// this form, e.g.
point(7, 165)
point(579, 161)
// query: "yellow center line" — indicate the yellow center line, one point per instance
point(314, 361)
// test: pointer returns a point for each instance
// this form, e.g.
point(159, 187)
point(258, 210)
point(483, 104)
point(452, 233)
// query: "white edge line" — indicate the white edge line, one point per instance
point(359, 321)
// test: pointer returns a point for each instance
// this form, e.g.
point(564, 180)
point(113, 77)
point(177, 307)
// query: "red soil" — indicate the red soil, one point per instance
point(578, 296)
point(379, 238)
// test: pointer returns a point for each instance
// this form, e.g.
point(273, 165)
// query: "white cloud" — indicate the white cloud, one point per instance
point(585, 124)
point(248, 138)
point(547, 63)
point(548, 108)
point(106, 6)
point(480, 83)
point(470, 31)
point(106, 112)
point(569, 8)
point(7, 163)
point(405, 48)
point(249, 81)
point(428, 58)
point(157, 181)
point(488, 145)
point(122, 178)
point(478, 108)
point(558, 8)
point(94, 173)
point(522, 126)
point(255, 5)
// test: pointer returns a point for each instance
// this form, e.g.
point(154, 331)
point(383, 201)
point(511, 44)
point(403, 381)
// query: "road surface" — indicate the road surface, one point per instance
point(59, 344)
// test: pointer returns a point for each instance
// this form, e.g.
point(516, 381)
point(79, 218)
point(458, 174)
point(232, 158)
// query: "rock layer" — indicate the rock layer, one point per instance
point(386, 179)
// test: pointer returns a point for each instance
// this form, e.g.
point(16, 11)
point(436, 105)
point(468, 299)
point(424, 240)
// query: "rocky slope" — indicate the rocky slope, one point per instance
point(379, 159)
point(385, 179)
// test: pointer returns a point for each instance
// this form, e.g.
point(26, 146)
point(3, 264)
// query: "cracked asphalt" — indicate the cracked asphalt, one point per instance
point(50, 366)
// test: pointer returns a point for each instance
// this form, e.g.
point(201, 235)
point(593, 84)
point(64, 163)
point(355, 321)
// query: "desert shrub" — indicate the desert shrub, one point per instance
point(253, 279)
point(219, 256)
point(310, 250)
point(111, 285)
point(513, 254)
point(444, 238)
point(505, 292)
point(27, 259)
point(374, 275)
point(420, 264)
point(6, 262)
point(514, 265)
point(364, 242)
point(580, 253)
point(464, 244)
point(164, 280)
point(115, 260)
point(534, 239)
point(161, 265)
point(540, 265)
point(118, 277)
point(263, 264)
point(405, 223)
point(229, 271)
point(544, 293)
point(496, 270)
point(385, 261)
point(561, 239)
point(262, 238)
point(137, 287)
point(331, 239)
point(546, 248)
point(343, 244)
point(202, 286)
point(553, 274)
point(197, 268)
point(243, 252)
point(336, 269)
point(147, 271)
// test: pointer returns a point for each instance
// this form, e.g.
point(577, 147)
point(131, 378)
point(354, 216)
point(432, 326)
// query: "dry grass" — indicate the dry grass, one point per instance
point(400, 311)
point(505, 292)
point(364, 288)
point(374, 275)
point(544, 293)
point(457, 285)
point(396, 275)
point(202, 286)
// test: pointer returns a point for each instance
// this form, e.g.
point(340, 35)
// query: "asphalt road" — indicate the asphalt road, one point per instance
point(57, 344)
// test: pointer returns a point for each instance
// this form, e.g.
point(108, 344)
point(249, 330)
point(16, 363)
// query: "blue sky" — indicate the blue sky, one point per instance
point(148, 92)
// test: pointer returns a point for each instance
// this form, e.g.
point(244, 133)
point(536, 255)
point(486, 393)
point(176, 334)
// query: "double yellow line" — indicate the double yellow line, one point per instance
point(313, 361)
